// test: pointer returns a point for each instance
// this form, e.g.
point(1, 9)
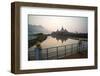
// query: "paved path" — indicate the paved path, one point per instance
point(77, 55)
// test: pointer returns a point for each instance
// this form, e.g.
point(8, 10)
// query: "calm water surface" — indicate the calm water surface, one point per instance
point(53, 42)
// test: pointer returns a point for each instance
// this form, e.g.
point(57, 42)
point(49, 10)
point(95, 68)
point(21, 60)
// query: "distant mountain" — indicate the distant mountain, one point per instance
point(33, 29)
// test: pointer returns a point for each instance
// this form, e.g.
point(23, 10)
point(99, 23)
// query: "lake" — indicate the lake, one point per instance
point(52, 43)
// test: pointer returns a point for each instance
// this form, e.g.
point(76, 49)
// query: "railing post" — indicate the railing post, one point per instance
point(82, 47)
point(57, 52)
point(65, 50)
point(47, 53)
point(77, 48)
point(71, 48)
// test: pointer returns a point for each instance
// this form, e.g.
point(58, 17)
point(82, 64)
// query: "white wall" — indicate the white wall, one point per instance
point(5, 42)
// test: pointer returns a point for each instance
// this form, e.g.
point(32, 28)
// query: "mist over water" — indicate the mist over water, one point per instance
point(52, 23)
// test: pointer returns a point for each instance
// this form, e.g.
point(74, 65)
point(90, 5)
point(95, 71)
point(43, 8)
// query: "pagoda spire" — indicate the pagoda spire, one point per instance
point(62, 28)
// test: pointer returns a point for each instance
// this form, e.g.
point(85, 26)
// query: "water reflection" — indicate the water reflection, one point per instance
point(51, 41)
point(61, 38)
point(65, 38)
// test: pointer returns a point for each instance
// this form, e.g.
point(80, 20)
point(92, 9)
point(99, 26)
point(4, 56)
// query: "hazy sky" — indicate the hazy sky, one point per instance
point(52, 23)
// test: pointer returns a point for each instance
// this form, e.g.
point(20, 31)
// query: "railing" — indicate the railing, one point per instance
point(59, 52)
